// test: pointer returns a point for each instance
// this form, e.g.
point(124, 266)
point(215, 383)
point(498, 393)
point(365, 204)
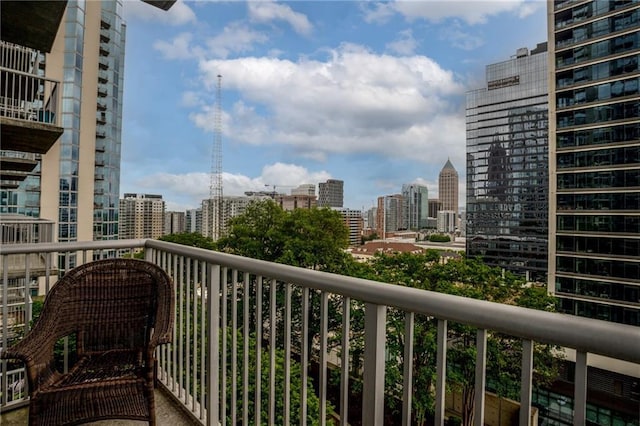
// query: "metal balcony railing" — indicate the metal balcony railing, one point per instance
point(218, 296)
point(28, 97)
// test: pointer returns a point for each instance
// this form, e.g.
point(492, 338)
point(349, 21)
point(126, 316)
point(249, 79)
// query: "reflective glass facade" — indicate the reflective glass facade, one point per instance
point(595, 160)
point(507, 159)
point(109, 121)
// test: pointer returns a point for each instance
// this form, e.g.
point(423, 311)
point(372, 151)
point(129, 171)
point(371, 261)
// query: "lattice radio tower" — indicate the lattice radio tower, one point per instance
point(215, 186)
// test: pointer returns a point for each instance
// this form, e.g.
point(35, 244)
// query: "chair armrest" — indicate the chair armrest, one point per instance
point(36, 351)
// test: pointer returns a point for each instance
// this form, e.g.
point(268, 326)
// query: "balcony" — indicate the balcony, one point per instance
point(32, 24)
point(28, 111)
point(276, 302)
point(103, 77)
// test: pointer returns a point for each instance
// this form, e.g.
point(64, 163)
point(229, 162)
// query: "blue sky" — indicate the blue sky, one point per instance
point(370, 93)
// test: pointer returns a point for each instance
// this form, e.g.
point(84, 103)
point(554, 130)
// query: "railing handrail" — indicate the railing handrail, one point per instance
point(583, 334)
point(30, 75)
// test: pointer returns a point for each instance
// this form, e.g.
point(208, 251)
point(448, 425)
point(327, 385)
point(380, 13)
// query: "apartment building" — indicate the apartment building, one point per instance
point(331, 193)
point(416, 205)
point(141, 216)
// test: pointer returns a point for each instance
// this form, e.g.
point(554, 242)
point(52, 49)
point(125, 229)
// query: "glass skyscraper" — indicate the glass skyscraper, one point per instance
point(594, 268)
point(507, 158)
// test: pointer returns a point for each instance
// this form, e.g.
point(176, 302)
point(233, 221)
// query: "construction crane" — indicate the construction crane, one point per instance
point(215, 185)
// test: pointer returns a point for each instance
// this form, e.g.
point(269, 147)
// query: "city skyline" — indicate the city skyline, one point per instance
point(375, 99)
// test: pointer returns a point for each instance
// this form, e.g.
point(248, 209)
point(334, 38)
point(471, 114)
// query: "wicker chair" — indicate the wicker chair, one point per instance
point(119, 310)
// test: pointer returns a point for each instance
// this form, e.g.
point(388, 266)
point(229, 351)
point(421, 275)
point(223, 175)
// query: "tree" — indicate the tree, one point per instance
point(468, 278)
point(439, 238)
point(192, 239)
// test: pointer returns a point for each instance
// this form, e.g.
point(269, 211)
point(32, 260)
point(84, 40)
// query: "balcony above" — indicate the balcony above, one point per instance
point(28, 111)
point(32, 23)
point(161, 4)
point(19, 161)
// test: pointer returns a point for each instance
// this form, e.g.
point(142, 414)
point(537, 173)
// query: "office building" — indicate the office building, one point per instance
point(416, 206)
point(331, 193)
point(447, 221)
point(231, 206)
point(141, 216)
point(389, 218)
point(448, 187)
point(174, 223)
point(354, 222)
point(193, 221)
point(507, 163)
point(434, 206)
point(594, 247)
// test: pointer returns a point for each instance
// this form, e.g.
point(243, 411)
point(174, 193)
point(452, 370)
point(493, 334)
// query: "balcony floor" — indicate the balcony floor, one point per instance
point(167, 414)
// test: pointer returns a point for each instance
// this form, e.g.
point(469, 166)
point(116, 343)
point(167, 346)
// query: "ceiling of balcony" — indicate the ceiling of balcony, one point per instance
point(28, 136)
point(164, 5)
point(32, 23)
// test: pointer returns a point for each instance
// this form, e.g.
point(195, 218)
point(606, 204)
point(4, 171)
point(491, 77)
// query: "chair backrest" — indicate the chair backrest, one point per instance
point(114, 304)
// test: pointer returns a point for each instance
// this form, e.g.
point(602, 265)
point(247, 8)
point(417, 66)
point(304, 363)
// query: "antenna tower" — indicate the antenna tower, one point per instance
point(215, 187)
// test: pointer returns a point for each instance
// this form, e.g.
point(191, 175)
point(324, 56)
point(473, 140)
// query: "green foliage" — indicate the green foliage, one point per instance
point(439, 238)
point(192, 239)
point(310, 238)
point(313, 402)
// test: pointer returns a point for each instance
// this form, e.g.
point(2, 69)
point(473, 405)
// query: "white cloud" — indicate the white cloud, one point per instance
point(405, 44)
point(178, 48)
point(353, 102)
point(179, 14)
point(235, 38)
point(187, 190)
point(268, 11)
point(455, 36)
point(471, 11)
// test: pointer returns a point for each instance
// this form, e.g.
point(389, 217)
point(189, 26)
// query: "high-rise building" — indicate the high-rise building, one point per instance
point(594, 244)
point(174, 223)
point(435, 206)
point(447, 221)
point(448, 187)
point(389, 216)
point(76, 77)
point(141, 216)
point(232, 206)
point(416, 206)
point(331, 193)
point(507, 163)
point(193, 219)
point(354, 222)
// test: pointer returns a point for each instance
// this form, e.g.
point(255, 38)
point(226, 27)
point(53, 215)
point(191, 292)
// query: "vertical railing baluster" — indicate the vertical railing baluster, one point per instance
point(375, 319)
point(580, 389)
point(287, 354)
point(27, 293)
point(204, 296)
point(481, 368)
point(5, 327)
point(245, 350)
point(324, 325)
point(194, 368)
point(272, 352)
point(223, 356)
point(234, 348)
point(187, 331)
point(179, 279)
point(304, 356)
point(441, 371)
point(213, 325)
point(65, 340)
point(174, 343)
point(525, 382)
point(407, 386)
point(344, 362)
point(258, 363)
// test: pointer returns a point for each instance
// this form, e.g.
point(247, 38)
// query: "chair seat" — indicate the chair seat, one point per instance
point(102, 367)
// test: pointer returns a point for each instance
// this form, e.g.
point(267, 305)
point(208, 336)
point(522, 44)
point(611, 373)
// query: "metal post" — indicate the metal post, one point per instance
point(213, 320)
point(441, 371)
point(580, 390)
point(375, 319)
point(481, 368)
point(525, 382)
